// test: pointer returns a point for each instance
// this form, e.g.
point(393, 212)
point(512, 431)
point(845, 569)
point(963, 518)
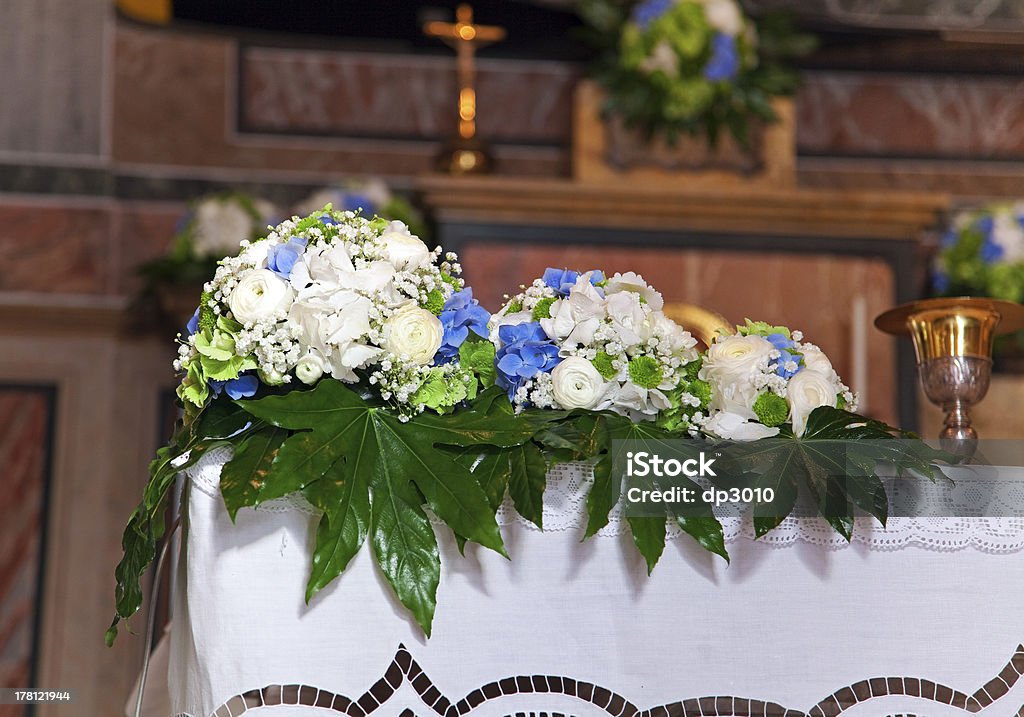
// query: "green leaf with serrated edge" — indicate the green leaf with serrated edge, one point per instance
point(244, 478)
point(489, 465)
point(649, 537)
point(344, 498)
point(707, 531)
point(477, 355)
point(342, 429)
point(527, 481)
point(405, 546)
point(602, 497)
point(213, 427)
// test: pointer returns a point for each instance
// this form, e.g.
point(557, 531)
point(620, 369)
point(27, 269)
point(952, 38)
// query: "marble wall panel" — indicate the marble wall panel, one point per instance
point(25, 443)
point(55, 246)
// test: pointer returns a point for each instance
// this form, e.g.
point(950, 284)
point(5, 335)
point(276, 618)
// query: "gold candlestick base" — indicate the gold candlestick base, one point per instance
point(953, 343)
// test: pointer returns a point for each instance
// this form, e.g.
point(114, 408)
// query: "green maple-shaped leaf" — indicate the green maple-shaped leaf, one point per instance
point(835, 462)
point(219, 424)
point(347, 449)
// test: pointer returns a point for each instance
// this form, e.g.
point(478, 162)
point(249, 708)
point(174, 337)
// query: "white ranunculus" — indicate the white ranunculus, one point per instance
point(575, 383)
point(633, 282)
point(310, 367)
point(219, 226)
point(403, 249)
point(260, 295)
point(725, 16)
point(806, 391)
point(413, 333)
point(734, 427)
point(730, 366)
point(816, 360)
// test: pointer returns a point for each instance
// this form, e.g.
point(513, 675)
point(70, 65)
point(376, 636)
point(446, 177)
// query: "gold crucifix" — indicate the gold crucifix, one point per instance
point(465, 38)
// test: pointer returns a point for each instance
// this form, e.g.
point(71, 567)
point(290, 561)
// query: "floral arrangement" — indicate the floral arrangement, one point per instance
point(214, 226)
point(334, 295)
point(583, 341)
point(342, 359)
point(766, 376)
point(369, 196)
point(982, 254)
point(694, 67)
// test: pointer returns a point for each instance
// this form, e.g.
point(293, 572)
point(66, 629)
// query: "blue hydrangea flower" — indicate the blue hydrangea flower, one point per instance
point(526, 352)
point(650, 10)
point(328, 220)
point(460, 315)
point(236, 388)
point(562, 280)
point(281, 258)
point(784, 345)
point(193, 324)
point(725, 59)
point(940, 281)
point(949, 239)
point(355, 202)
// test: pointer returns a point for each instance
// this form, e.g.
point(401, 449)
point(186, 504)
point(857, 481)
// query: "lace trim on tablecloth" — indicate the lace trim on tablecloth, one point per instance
point(568, 484)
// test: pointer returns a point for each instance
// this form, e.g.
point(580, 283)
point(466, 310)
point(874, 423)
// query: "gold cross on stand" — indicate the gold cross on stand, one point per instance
point(467, 155)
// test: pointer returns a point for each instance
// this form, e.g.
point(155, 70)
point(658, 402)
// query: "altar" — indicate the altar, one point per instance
point(921, 618)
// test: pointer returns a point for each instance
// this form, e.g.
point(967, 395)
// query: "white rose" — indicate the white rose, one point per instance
point(633, 282)
point(310, 367)
point(413, 333)
point(402, 249)
point(734, 427)
point(806, 391)
point(731, 365)
point(259, 295)
point(724, 16)
point(575, 383)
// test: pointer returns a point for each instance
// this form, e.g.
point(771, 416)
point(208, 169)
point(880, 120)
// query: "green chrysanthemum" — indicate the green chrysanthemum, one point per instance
point(603, 363)
point(435, 302)
point(702, 391)
point(543, 308)
point(771, 410)
point(514, 306)
point(645, 371)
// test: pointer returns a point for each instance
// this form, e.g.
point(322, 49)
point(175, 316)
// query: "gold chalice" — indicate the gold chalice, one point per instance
point(953, 342)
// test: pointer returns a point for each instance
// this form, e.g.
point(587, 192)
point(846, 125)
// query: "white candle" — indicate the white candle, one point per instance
point(859, 350)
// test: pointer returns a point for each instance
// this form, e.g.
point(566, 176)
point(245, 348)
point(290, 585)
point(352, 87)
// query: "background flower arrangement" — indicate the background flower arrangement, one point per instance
point(371, 196)
point(214, 226)
point(694, 67)
point(341, 358)
point(982, 254)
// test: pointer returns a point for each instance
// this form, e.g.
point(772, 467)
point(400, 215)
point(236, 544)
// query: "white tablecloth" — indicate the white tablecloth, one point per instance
point(578, 628)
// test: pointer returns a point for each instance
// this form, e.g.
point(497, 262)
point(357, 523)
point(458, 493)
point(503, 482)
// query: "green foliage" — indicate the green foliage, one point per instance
point(835, 462)
point(222, 423)
point(477, 356)
point(341, 438)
